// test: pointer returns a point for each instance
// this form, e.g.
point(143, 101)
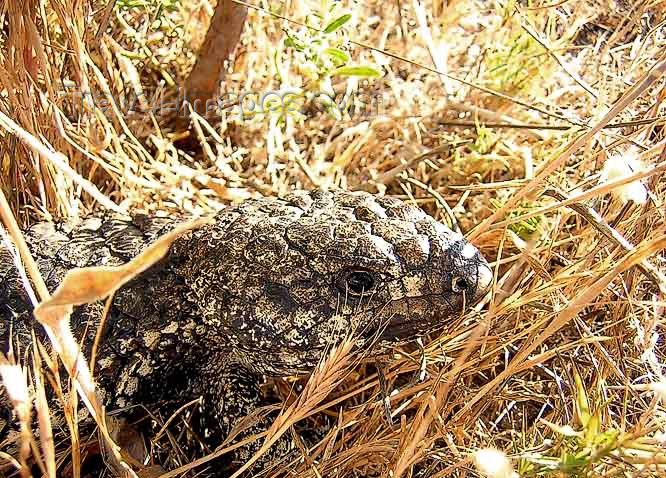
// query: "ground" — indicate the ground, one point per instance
point(519, 120)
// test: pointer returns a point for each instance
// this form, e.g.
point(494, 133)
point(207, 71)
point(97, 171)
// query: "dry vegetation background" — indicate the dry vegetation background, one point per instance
point(522, 119)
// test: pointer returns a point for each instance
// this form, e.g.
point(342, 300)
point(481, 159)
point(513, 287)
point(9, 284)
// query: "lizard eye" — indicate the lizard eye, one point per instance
point(357, 282)
point(459, 284)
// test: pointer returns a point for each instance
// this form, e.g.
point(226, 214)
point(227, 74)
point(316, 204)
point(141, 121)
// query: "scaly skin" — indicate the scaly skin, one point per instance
point(264, 290)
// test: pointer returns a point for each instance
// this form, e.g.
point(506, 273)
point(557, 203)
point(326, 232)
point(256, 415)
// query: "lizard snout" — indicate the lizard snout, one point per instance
point(469, 274)
point(484, 279)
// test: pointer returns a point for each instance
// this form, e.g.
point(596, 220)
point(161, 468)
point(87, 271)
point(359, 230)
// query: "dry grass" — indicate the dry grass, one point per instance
point(532, 122)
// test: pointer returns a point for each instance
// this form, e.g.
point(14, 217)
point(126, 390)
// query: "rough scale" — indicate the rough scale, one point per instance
point(264, 290)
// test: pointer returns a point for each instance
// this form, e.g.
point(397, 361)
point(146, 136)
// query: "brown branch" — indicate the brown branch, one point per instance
point(221, 40)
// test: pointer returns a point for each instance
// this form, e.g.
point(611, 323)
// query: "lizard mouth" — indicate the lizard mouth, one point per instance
point(397, 332)
point(431, 313)
point(434, 312)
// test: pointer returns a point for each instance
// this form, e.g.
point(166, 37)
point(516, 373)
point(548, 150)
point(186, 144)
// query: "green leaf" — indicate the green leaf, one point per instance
point(356, 71)
point(582, 403)
point(335, 24)
point(295, 44)
point(337, 54)
point(593, 429)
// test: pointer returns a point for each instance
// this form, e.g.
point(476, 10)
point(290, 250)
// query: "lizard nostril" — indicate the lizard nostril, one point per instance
point(459, 284)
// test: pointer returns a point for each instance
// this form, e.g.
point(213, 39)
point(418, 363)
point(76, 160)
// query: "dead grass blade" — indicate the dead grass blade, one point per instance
point(89, 284)
point(430, 407)
point(645, 249)
point(596, 191)
point(82, 286)
point(548, 168)
point(44, 420)
point(58, 160)
point(469, 97)
point(323, 380)
point(16, 386)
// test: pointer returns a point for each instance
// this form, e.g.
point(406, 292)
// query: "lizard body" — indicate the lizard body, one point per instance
point(265, 289)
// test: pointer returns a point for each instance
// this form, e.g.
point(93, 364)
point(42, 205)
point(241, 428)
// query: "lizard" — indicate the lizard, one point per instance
point(264, 290)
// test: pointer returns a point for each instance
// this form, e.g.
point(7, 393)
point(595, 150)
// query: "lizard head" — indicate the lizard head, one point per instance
point(285, 279)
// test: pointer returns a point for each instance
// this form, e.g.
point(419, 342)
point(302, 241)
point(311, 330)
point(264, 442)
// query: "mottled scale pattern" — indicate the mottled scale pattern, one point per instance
point(265, 289)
